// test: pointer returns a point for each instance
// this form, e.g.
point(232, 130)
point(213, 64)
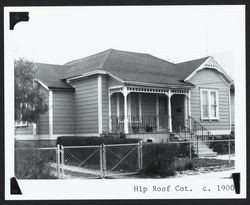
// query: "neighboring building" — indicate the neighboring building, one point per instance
point(133, 93)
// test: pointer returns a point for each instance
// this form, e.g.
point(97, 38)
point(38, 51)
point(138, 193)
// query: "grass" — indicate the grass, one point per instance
point(181, 163)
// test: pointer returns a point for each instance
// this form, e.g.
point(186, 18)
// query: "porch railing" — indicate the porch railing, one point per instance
point(192, 130)
point(140, 124)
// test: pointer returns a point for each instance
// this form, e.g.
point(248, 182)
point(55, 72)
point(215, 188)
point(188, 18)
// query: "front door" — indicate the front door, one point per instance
point(163, 113)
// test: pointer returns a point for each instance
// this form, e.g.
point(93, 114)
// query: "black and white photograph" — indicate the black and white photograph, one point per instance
point(125, 102)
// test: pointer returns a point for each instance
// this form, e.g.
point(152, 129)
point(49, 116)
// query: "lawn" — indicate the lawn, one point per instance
point(182, 163)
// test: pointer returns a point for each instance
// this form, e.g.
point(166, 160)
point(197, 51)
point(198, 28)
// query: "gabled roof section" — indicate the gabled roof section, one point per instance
point(208, 62)
point(184, 69)
point(50, 75)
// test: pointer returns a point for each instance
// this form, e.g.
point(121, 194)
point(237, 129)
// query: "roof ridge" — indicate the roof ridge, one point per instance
point(206, 57)
point(160, 59)
point(79, 59)
point(145, 54)
point(105, 58)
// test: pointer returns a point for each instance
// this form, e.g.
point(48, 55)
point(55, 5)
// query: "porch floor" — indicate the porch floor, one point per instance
point(157, 137)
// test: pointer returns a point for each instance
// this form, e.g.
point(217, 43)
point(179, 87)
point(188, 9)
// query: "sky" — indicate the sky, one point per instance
point(57, 35)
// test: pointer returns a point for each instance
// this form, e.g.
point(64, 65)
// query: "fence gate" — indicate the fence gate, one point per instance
point(122, 159)
point(99, 161)
point(79, 162)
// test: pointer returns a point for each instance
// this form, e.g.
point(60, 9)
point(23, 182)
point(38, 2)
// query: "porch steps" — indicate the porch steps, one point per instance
point(204, 150)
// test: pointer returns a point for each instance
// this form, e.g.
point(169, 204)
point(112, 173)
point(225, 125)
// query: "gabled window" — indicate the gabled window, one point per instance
point(209, 104)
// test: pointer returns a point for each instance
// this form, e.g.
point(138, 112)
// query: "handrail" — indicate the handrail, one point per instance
point(182, 130)
point(200, 130)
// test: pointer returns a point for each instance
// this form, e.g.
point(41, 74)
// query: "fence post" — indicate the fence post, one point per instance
point(229, 153)
point(62, 161)
point(101, 160)
point(58, 160)
point(197, 146)
point(104, 162)
point(190, 150)
point(141, 156)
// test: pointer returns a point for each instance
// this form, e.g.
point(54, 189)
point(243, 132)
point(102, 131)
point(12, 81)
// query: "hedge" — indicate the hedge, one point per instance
point(158, 159)
point(221, 147)
point(86, 141)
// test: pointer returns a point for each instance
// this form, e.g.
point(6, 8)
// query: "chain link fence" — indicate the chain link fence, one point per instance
point(206, 148)
point(122, 159)
point(68, 162)
point(81, 161)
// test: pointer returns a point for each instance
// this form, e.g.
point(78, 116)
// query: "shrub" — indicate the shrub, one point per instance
point(84, 141)
point(183, 164)
point(158, 159)
point(31, 164)
point(183, 150)
point(222, 147)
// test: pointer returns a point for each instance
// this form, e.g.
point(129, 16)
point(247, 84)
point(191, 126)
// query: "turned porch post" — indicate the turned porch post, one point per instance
point(169, 111)
point(125, 94)
point(110, 120)
point(189, 109)
point(186, 109)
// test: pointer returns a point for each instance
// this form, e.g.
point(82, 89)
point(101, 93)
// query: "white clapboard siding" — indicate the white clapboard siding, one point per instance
point(86, 105)
point(208, 78)
point(63, 112)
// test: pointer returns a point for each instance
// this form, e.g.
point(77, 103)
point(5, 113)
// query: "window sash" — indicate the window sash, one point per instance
point(209, 104)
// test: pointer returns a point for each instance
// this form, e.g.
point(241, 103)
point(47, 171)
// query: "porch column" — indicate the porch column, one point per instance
point(169, 111)
point(125, 93)
point(110, 120)
point(157, 112)
point(186, 109)
point(189, 109)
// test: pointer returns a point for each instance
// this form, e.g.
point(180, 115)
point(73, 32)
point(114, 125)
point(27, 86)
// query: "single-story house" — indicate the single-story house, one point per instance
point(137, 94)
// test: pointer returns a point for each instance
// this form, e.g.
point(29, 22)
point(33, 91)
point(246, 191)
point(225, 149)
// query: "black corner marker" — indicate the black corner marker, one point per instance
point(14, 187)
point(16, 17)
point(236, 179)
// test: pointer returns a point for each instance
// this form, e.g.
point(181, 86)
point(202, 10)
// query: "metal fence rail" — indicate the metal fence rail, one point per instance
point(122, 159)
point(80, 161)
point(67, 162)
point(99, 161)
point(225, 148)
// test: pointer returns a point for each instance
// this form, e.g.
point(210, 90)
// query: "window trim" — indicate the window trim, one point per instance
point(209, 104)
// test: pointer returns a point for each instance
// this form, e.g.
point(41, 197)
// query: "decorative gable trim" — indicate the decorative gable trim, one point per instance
point(212, 64)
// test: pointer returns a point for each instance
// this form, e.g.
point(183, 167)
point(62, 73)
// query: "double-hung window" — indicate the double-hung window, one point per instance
point(209, 104)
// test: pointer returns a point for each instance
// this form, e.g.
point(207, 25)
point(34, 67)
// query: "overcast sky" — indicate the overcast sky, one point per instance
point(60, 34)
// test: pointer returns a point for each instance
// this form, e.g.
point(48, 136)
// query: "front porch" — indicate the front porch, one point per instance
point(138, 111)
